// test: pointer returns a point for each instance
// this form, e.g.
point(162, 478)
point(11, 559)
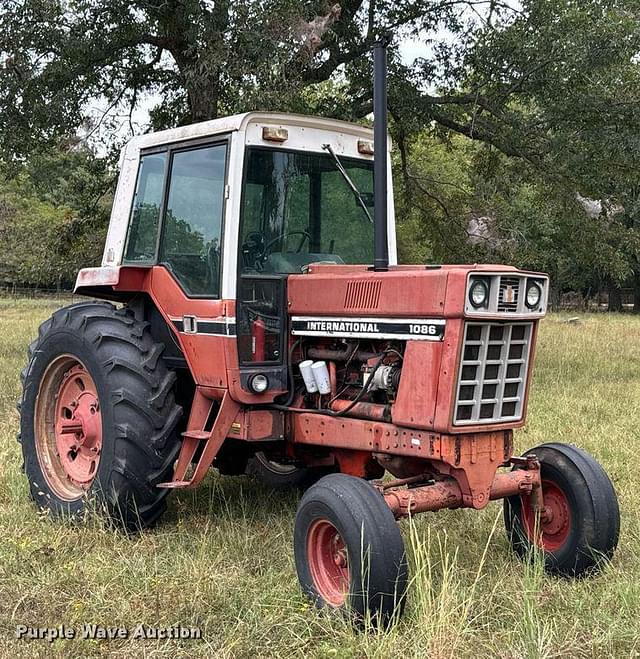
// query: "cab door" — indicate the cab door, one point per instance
point(177, 228)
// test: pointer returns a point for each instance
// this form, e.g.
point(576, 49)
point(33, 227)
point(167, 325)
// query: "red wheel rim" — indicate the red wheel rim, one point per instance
point(68, 427)
point(551, 529)
point(328, 562)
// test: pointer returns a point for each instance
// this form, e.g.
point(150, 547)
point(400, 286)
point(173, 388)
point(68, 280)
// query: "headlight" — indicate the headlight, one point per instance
point(258, 383)
point(479, 293)
point(534, 295)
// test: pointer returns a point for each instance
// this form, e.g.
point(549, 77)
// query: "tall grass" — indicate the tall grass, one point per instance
point(222, 558)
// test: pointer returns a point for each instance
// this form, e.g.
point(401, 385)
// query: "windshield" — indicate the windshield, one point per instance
point(298, 209)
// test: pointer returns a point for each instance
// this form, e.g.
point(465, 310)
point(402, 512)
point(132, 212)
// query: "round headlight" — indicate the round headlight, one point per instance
point(479, 293)
point(258, 383)
point(534, 295)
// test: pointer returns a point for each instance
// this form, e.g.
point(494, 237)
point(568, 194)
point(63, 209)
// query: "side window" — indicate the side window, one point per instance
point(192, 236)
point(145, 216)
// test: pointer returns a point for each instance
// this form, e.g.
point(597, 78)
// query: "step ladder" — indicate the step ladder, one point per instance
point(196, 435)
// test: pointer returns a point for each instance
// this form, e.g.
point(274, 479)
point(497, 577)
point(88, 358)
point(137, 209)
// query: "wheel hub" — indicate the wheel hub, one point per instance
point(549, 527)
point(339, 551)
point(328, 562)
point(68, 427)
point(78, 427)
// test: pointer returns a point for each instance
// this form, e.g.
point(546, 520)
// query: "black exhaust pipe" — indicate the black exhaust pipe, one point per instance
point(380, 180)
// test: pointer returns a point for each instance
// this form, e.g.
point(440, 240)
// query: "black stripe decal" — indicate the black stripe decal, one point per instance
point(371, 328)
point(208, 328)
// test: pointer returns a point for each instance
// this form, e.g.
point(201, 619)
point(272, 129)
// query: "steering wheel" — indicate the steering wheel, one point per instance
point(253, 250)
point(306, 236)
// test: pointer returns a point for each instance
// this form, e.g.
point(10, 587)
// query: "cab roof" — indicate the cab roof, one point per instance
point(239, 122)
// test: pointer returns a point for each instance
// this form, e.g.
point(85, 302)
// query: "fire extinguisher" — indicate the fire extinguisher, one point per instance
point(258, 339)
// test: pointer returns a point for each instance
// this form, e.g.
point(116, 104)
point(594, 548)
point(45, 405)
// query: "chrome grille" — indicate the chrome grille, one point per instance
point(509, 294)
point(493, 373)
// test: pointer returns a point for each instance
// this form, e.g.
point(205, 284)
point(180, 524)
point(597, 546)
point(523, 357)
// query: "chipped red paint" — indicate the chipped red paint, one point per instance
point(414, 433)
point(256, 425)
point(358, 463)
point(78, 426)
point(447, 494)
point(68, 423)
point(471, 459)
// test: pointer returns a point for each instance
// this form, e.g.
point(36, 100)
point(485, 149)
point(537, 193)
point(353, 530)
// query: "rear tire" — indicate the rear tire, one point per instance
point(579, 531)
point(108, 351)
point(282, 476)
point(348, 549)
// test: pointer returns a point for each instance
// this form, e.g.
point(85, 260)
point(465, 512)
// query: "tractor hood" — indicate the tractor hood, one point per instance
point(402, 292)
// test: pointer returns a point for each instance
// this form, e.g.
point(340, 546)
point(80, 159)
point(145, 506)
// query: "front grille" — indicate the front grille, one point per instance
point(509, 294)
point(493, 373)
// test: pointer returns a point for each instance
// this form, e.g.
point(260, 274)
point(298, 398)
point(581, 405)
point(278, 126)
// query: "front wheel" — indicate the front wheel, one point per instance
point(578, 528)
point(348, 549)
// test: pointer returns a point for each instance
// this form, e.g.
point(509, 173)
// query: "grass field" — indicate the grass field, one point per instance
point(222, 558)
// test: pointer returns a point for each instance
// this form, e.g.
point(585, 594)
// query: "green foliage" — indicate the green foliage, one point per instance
point(521, 112)
point(464, 202)
point(202, 58)
point(53, 218)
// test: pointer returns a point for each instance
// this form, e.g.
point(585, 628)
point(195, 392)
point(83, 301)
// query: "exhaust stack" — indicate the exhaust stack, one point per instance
point(380, 180)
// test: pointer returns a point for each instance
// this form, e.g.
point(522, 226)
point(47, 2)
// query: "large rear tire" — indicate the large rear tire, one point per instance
point(281, 476)
point(348, 549)
point(98, 416)
point(578, 529)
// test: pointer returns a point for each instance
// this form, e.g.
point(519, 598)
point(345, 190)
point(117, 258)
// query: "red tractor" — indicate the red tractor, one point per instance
point(252, 317)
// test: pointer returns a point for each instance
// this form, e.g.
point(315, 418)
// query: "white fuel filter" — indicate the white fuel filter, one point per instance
point(307, 376)
point(321, 375)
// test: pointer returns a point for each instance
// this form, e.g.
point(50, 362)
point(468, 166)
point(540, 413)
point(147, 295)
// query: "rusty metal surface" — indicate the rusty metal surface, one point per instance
point(221, 426)
point(372, 411)
point(472, 460)
point(200, 410)
point(415, 404)
point(258, 425)
point(358, 463)
point(411, 293)
point(447, 494)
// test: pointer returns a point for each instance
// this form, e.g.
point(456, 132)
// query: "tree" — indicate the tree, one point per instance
point(204, 57)
point(556, 89)
point(468, 202)
point(53, 216)
point(552, 85)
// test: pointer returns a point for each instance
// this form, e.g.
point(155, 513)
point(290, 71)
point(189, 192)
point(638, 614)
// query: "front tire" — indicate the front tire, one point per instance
point(348, 549)
point(578, 530)
point(98, 415)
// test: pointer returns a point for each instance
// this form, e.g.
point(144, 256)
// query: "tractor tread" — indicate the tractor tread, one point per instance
point(138, 392)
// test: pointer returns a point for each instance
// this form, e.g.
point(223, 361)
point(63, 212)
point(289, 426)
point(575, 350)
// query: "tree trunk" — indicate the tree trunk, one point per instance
point(636, 292)
point(203, 99)
point(199, 66)
point(615, 298)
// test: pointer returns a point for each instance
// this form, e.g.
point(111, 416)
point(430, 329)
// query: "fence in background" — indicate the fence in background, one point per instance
point(569, 301)
point(60, 295)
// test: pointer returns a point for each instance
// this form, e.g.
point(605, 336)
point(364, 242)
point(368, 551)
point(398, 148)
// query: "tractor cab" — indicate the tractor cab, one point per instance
point(228, 210)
